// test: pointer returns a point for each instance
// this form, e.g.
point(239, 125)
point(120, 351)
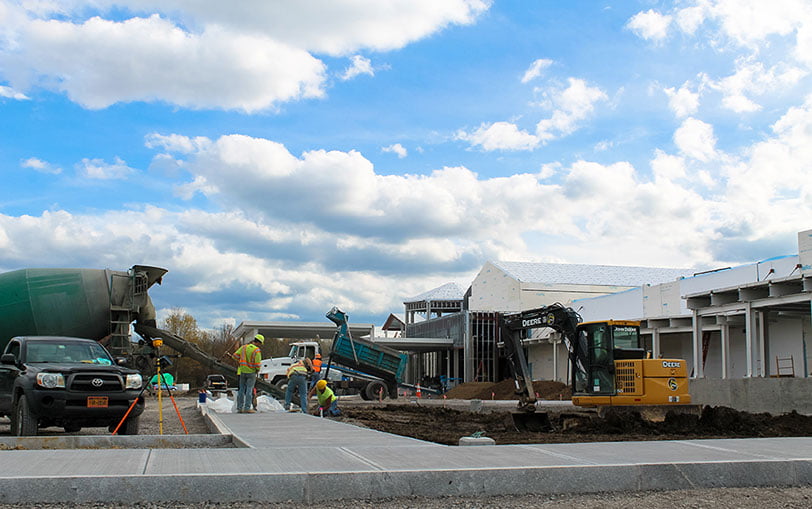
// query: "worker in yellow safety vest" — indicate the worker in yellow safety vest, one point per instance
point(328, 403)
point(297, 381)
point(248, 359)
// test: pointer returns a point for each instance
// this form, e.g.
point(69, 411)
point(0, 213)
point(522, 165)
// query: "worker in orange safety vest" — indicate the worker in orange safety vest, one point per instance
point(248, 358)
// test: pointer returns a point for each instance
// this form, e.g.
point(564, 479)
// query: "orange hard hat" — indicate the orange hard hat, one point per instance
point(318, 356)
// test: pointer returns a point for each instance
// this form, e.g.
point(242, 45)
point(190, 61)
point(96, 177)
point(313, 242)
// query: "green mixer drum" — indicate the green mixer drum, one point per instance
point(63, 302)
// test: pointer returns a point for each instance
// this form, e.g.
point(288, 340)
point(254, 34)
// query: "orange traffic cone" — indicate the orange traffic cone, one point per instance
point(418, 393)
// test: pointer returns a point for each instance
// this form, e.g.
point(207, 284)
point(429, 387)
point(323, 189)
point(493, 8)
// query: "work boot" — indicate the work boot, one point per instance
point(249, 411)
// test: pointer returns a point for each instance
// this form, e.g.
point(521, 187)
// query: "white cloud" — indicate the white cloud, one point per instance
point(10, 93)
point(41, 166)
point(396, 148)
point(751, 78)
point(535, 69)
point(695, 139)
point(101, 170)
point(667, 167)
point(572, 105)
point(207, 54)
point(650, 25)
point(360, 65)
point(682, 101)
point(500, 136)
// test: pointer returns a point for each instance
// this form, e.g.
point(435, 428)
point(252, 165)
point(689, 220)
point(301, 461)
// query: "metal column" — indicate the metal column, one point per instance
point(724, 332)
point(749, 321)
point(696, 322)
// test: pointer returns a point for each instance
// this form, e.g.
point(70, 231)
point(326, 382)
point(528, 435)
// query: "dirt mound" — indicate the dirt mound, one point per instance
point(446, 426)
point(506, 390)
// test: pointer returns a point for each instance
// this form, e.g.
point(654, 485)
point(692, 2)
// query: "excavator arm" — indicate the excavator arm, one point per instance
point(556, 316)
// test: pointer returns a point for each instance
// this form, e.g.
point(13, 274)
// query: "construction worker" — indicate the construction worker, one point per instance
point(316, 369)
point(328, 403)
point(297, 381)
point(248, 358)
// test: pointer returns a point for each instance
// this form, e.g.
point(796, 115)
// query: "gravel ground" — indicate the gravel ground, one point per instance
point(721, 498)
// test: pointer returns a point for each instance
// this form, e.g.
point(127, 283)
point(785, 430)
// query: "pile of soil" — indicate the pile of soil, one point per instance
point(447, 426)
point(506, 389)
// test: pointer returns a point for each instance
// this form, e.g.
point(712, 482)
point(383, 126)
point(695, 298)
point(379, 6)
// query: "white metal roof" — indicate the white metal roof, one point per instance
point(448, 291)
point(567, 273)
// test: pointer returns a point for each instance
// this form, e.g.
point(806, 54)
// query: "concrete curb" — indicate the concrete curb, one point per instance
point(114, 442)
point(218, 427)
point(313, 486)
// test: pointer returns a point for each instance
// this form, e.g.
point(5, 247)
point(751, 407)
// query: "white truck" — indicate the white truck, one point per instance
point(275, 370)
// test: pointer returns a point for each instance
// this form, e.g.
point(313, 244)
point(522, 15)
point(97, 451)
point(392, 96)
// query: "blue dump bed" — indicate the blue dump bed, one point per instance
point(367, 357)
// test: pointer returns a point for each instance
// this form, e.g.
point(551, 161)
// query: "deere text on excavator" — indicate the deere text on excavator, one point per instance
point(609, 365)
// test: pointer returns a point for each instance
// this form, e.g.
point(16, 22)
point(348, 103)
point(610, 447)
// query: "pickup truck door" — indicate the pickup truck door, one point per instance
point(8, 373)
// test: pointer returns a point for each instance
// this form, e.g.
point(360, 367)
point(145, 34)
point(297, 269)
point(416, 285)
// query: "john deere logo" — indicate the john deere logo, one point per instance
point(672, 384)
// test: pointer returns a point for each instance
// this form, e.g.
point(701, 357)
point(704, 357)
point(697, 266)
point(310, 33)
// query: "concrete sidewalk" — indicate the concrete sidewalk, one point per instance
point(299, 457)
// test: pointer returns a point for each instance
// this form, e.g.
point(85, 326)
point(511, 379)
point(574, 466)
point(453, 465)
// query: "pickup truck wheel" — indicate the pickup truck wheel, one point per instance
point(282, 384)
point(25, 423)
point(130, 426)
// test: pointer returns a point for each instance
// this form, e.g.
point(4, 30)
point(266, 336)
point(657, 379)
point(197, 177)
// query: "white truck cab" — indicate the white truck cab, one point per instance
point(274, 370)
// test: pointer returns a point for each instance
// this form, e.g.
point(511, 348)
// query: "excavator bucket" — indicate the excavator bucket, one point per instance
point(533, 422)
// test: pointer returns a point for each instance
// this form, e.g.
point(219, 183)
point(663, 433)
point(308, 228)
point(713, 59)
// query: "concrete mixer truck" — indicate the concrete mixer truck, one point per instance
point(42, 311)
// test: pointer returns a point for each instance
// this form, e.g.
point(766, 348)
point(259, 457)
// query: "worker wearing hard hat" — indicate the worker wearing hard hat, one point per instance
point(297, 381)
point(248, 358)
point(328, 403)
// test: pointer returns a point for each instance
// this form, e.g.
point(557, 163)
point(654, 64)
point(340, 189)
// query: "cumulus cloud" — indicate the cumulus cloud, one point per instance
point(753, 79)
point(650, 25)
point(396, 148)
point(682, 101)
point(500, 136)
point(359, 65)
point(695, 139)
point(41, 166)
point(100, 170)
point(207, 54)
point(535, 69)
point(570, 105)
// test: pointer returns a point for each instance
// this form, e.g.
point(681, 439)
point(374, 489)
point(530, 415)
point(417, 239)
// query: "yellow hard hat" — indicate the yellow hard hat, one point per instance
point(321, 384)
point(260, 338)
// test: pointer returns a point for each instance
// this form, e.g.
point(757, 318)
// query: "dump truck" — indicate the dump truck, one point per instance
point(376, 370)
point(98, 304)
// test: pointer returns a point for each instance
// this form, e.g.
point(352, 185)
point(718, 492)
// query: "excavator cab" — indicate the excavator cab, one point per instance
point(599, 344)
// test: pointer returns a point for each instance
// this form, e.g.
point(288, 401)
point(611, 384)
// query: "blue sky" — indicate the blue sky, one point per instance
point(280, 158)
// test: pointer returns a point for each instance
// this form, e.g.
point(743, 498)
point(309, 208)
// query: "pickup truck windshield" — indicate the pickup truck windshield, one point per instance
point(80, 353)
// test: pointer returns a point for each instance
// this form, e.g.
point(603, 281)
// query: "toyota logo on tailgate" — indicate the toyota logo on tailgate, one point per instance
point(97, 382)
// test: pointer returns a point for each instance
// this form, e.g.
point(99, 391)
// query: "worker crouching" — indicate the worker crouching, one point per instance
point(328, 403)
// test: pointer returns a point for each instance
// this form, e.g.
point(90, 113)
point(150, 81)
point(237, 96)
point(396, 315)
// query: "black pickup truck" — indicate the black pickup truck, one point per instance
point(66, 382)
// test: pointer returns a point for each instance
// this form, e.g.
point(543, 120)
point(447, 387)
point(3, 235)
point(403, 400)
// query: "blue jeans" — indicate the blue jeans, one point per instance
point(245, 391)
point(333, 409)
point(297, 383)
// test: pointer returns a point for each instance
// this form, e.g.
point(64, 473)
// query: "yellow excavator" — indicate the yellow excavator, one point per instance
point(609, 364)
